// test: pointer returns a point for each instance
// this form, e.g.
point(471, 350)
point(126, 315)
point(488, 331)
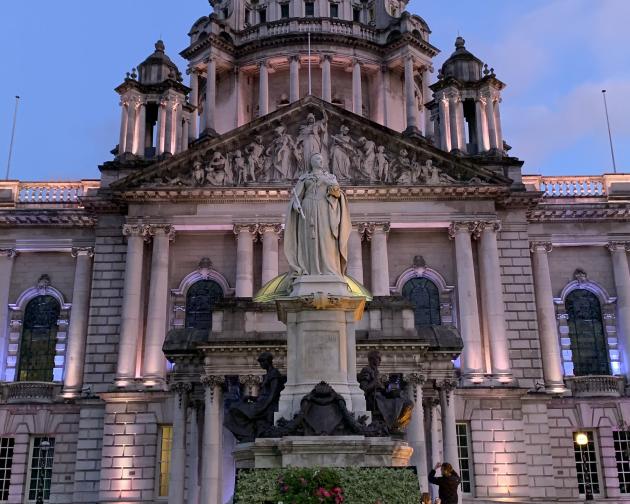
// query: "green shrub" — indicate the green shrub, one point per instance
point(360, 485)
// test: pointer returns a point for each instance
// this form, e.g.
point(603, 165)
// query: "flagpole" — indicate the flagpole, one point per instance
point(17, 101)
point(309, 63)
point(612, 152)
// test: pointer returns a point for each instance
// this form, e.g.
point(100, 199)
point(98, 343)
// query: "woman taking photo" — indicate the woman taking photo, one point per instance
point(447, 483)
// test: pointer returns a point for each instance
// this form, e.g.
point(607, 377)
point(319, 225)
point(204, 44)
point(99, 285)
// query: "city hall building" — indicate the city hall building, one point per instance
point(132, 307)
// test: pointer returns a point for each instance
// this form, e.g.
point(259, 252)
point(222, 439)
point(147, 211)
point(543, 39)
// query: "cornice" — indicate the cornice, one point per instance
point(582, 213)
point(46, 217)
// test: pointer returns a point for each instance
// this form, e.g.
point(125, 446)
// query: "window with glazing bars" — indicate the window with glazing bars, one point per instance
point(164, 463)
point(40, 474)
point(622, 457)
point(586, 464)
point(465, 462)
point(284, 10)
point(6, 461)
point(309, 9)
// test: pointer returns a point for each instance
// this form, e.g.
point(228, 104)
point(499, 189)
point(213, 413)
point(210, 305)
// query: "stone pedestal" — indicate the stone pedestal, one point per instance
point(328, 451)
point(320, 314)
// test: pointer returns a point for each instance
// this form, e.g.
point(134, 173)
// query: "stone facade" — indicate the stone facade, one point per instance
point(531, 271)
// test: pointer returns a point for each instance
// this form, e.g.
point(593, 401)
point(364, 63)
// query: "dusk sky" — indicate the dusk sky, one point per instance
point(64, 59)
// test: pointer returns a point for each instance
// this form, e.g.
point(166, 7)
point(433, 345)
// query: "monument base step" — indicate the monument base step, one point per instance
point(322, 451)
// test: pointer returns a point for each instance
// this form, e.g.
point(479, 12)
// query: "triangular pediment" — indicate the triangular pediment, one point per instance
point(273, 150)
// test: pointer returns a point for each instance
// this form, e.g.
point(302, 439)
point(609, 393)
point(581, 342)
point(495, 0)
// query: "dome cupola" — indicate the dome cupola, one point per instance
point(158, 67)
point(462, 64)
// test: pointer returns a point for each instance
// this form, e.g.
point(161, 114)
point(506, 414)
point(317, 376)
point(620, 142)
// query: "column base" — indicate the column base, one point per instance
point(471, 378)
point(555, 387)
point(154, 383)
point(125, 382)
point(71, 393)
point(208, 132)
point(502, 377)
point(413, 132)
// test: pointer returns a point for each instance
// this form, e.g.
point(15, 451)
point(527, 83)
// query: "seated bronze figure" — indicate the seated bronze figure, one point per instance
point(251, 416)
point(387, 404)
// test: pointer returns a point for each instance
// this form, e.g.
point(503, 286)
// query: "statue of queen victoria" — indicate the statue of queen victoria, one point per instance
point(318, 224)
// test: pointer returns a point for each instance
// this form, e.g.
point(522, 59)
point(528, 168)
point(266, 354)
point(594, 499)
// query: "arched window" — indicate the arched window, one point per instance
point(425, 297)
point(39, 338)
point(586, 331)
point(200, 300)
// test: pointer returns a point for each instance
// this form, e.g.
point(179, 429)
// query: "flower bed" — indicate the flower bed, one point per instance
point(351, 485)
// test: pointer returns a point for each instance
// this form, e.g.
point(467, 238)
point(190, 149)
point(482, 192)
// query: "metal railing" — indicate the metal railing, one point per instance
point(596, 385)
point(44, 193)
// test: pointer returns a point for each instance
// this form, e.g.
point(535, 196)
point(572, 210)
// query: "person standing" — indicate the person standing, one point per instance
point(448, 483)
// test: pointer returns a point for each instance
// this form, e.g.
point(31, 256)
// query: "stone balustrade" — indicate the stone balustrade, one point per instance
point(596, 385)
point(13, 192)
point(568, 186)
point(29, 392)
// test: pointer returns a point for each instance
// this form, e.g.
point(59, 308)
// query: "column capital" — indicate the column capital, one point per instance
point(212, 381)
point(461, 227)
point(327, 57)
point(9, 253)
point(252, 229)
point(614, 246)
point(414, 378)
point(82, 251)
point(209, 59)
point(294, 57)
point(250, 380)
point(540, 246)
point(153, 230)
point(193, 71)
point(493, 226)
point(266, 227)
point(369, 228)
point(133, 230)
point(182, 389)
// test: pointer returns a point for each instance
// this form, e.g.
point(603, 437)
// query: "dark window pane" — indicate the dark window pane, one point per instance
point(200, 301)
point(41, 468)
point(425, 297)
point(262, 13)
point(309, 8)
point(356, 15)
point(284, 10)
point(334, 10)
point(39, 337)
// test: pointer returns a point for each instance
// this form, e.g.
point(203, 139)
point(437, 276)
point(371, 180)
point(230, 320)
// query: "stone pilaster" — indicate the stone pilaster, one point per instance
point(411, 110)
point(445, 123)
point(357, 95)
point(294, 78)
point(270, 234)
point(483, 141)
point(415, 429)
point(472, 355)
point(124, 124)
point(177, 469)
point(492, 304)
point(547, 329)
point(355, 253)
point(449, 429)
point(131, 125)
point(263, 89)
point(326, 79)
point(153, 362)
point(621, 272)
point(193, 131)
point(491, 121)
point(376, 234)
point(77, 332)
point(211, 487)
point(245, 234)
point(211, 97)
point(161, 127)
point(140, 130)
point(131, 309)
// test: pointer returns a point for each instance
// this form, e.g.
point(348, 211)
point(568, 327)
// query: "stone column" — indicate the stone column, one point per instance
point(461, 129)
point(384, 83)
point(410, 98)
point(177, 469)
point(546, 314)
point(497, 124)
point(7, 258)
point(263, 90)
point(453, 120)
point(621, 274)
point(185, 133)
point(492, 127)
point(131, 125)
point(376, 234)
point(193, 454)
point(449, 429)
point(492, 303)
point(124, 123)
point(153, 362)
point(472, 355)
point(211, 487)
point(415, 429)
point(483, 142)
point(193, 132)
point(434, 422)
point(426, 93)
point(140, 134)
point(270, 234)
point(77, 332)
point(357, 96)
point(238, 102)
point(175, 124)
point(245, 234)
point(445, 124)
point(161, 127)
point(131, 309)
point(294, 78)
point(211, 97)
point(355, 254)
point(326, 80)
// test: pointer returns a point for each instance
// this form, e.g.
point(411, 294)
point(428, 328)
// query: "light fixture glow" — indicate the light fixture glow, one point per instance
point(581, 439)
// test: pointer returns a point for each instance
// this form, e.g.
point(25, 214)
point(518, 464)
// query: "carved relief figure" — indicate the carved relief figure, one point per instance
point(368, 158)
point(382, 165)
point(312, 139)
point(198, 173)
point(342, 153)
point(318, 224)
point(401, 168)
point(281, 155)
point(240, 168)
point(218, 170)
point(256, 159)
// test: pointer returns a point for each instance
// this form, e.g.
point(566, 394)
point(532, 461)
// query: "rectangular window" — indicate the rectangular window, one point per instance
point(334, 10)
point(164, 463)
point(465, 462)
point(586, 464)
point(309, 8)
point(6, 461)
point(356, 15)
point(262, 15)
point(41, 466)
point(622, 457)
point(284, 10)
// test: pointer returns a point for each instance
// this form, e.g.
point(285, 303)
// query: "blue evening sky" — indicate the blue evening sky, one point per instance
point(64, 59)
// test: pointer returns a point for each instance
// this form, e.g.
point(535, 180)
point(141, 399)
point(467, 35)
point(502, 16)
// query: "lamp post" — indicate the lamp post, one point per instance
point(582, 440)
point(43, 455)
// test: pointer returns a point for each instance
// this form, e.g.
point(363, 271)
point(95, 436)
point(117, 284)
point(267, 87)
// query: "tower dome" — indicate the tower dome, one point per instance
point(158, 67)
point(462, 64)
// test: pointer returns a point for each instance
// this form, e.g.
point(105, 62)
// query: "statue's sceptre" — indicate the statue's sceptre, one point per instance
point(296, 202)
